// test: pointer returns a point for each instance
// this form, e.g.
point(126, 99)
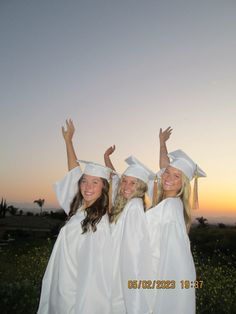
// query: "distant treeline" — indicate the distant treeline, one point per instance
point(211, 238)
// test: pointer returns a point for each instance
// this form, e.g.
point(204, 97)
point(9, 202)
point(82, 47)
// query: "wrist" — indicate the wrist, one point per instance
point(68, 140)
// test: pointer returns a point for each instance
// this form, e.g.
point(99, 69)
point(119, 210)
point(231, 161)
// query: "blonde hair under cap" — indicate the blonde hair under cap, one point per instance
point(138, 170)
point(180, 160)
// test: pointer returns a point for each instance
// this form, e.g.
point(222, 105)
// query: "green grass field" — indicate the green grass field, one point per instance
point(23, 262)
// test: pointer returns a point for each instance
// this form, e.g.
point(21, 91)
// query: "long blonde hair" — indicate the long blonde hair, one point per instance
point(184, 195)
point(120, 201)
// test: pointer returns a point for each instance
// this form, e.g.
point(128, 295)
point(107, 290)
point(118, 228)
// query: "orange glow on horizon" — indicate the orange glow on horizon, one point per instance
point(212, 199)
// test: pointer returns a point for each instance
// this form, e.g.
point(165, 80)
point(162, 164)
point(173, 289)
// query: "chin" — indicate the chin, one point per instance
point(126, 197)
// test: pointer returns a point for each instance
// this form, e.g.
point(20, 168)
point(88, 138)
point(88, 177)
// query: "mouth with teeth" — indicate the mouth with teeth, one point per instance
point(126, 193)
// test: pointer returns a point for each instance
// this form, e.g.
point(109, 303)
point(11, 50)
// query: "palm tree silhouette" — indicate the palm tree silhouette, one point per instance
point(40, 202)
point(3, 208)
point(202, 221)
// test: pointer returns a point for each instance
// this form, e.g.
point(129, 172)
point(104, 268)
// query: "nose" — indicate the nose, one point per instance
point(88, 185)
point(168, 176)
point(129, 185)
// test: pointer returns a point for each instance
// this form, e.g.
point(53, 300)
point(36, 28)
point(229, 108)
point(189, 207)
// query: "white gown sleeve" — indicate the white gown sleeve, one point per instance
point(59, 285)
point(136, 259)
point(66, 188)
point(175, 262)
point(115, 184)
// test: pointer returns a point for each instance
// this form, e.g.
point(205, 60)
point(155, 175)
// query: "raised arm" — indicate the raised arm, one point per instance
point(107, 159)
point(163, 137)
point(68, 135)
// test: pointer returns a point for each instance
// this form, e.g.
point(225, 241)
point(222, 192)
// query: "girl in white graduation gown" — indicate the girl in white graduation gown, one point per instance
point(168, 225)
point(78, 277)
point(131, 245)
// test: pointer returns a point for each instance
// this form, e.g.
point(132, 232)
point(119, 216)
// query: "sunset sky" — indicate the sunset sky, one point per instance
point(121, 70)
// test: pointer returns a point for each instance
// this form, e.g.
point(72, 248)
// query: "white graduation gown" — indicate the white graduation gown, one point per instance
point(79, 272)
point(171, 257)
point(132, 260)
point(78, 278)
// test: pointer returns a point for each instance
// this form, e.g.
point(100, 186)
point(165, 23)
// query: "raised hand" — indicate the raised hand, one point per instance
point(69, 131)
point(163, 155)
point(110, 151)
point(165, 135)
point(107, 159)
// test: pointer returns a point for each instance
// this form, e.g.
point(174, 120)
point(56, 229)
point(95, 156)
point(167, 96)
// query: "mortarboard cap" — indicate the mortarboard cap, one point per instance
point(94, 169)
point(183, 162)
point(138, 170)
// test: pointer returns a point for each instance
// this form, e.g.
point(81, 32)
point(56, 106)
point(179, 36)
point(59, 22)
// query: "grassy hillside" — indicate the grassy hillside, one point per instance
point(23, 262)
point(214, 252)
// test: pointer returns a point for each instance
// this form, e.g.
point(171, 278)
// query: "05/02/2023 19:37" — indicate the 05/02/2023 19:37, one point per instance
point(164, 284)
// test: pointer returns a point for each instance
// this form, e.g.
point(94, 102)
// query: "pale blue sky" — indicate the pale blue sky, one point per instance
point(121, 70)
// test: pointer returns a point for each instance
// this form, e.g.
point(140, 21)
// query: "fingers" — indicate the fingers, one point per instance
point(69, 126)
point(110, 150)
point(165, 135)
point(69, 123)
point(169, 129)
point(68, 130)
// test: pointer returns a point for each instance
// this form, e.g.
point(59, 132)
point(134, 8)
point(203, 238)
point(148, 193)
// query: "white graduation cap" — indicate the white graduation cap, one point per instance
point(138, 170)
point(183, 162)
point(94, 169)
point(180, 160)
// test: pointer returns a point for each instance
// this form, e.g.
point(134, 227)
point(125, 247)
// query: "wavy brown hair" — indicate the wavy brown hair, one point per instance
point(120, 201)
point(95, 211)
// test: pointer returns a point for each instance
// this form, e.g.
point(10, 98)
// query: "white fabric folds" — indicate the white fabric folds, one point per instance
point(79, 273)
point(132, 260)
point(66, 188)
point(172, 259)
point(78, 278)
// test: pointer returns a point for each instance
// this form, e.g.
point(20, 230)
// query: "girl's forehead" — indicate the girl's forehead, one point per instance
point(129, 178)
point(89, 177)
point(173, 170)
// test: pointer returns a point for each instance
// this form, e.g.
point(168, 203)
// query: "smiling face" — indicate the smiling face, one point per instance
point(171, 181)
point(90, 188)
point(128, 186)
